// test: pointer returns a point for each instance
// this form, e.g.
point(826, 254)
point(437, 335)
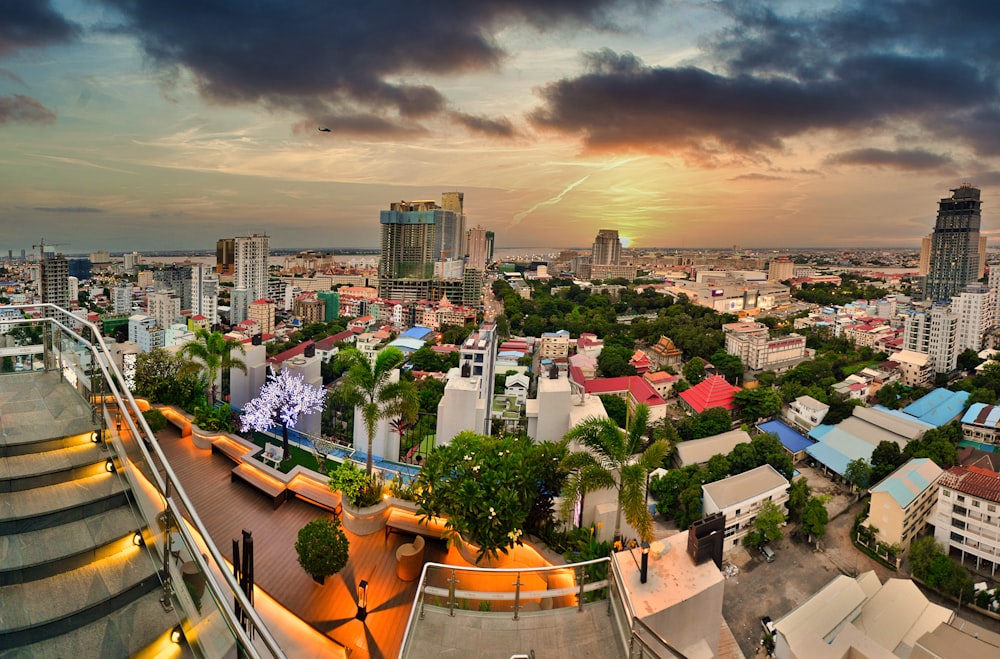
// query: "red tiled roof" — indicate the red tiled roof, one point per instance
point(657, 377)
point(281, 357)
point(641, 390)
point(262, 300)
point(974, 481)
point(711, 392)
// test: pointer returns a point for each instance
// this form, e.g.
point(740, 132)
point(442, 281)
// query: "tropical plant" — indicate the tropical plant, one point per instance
point(618, 459)
point(214, 350)
point(492, 490)
point(216, 419)
point(161, 377)
point(283, 398)
point(814, 518)
point(322, 547)
point(155, 420)
point(766, 527)
point(369, 385)
point(402, 490)
point(359, 488)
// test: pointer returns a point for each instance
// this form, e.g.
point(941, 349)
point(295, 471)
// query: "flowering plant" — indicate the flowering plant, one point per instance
point(489, 488)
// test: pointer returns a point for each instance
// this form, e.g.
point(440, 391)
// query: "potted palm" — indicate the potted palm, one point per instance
point(322, 548)
point(365, 508)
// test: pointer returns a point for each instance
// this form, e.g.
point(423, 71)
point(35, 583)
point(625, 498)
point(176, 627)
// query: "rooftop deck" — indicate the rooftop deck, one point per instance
point(226, 508)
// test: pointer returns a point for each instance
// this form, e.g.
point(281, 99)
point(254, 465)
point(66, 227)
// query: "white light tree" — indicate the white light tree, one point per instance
point(283, 398)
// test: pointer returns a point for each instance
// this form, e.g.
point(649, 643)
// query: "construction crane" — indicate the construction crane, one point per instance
point(41, 248)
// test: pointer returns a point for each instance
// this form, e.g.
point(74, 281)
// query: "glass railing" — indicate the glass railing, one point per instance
point(216, 616)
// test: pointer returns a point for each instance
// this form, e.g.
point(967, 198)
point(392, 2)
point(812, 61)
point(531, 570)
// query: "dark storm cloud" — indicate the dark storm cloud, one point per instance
point(351, 58)
point(30, 24)
point(501, 127)
point(24, 109)
point(906, 159)
point(932, 63)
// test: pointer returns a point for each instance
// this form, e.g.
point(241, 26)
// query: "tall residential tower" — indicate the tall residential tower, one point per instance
point(954, 258)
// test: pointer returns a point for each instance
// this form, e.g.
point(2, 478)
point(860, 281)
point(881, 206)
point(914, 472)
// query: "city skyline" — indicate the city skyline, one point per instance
point(152, 126)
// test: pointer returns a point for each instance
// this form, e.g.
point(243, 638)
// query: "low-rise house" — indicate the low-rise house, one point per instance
point(805, 412)
point(903, 501)
point(699, 451)
point(858, 617)
point(740, 497)
point(662, 382)
point(981, 423)
point(915, 368)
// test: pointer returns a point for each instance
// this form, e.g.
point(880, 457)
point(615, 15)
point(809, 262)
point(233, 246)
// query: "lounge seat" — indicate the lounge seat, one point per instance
point(410, 559)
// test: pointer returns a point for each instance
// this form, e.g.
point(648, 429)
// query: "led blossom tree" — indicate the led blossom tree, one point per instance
point(282, 399)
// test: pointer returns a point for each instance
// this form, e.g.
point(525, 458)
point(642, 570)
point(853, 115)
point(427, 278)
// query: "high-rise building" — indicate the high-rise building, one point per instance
point(934, 332)
point(164, 308)
point(262, 311)
point(490, 246)
point(122, 298)
point(423, 249)
point(975, 310)
point(177, 280)
point(982, 257)
point(607, 248)
point(225, 259)
point(250, 254)
point(781, 269)
point(475, 248)
point(205, 293)
point(954, 262)
point(73, 288)
point(55, 280)
point(925, 254)
point(131, 260)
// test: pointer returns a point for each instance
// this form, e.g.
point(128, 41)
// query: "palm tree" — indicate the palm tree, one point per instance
point(368, 385)
point(619, 459)
point(215, 351)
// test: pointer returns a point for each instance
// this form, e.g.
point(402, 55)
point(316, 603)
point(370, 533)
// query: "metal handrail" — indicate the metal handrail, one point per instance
point(102, 358)
point(453, 593)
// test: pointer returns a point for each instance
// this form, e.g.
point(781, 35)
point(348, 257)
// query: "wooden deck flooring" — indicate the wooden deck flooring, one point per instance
point(227, 508)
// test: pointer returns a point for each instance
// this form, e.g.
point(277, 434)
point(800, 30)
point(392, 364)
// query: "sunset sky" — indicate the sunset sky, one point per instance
point(166, 124)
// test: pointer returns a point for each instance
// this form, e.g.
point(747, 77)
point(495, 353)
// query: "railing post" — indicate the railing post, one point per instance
point(517, 595)
point(451, 593)
point(423, 595)
point(582, 578)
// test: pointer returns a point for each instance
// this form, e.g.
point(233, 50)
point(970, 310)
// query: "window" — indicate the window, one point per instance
point(961, 499)
point(975, 503)
point(945, 492)
point(990, 507)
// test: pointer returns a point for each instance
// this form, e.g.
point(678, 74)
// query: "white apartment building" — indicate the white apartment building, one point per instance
point(975, 308)
point(205, 293)
point(805, 412)
point(250, 263)
point(164, 307)
point(935, 333)
point(968, 521)
point(751, 342)
point(916, 368)
point(740, 497)
point(145, 333)
point(122, 298)
point(468, 393)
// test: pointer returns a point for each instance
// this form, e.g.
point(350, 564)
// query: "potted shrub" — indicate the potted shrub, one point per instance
point(365, 509)
point(322, 548)
point(492, 490)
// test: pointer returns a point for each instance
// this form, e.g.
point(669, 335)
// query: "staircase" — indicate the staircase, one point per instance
point(72, 580)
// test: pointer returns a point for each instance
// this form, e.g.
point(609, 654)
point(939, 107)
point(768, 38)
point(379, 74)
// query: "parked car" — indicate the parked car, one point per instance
point(767, 553)
point(768, 626)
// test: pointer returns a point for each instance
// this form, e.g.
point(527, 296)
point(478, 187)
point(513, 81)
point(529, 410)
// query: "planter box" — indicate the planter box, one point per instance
point(365, 521)
point(470, 551)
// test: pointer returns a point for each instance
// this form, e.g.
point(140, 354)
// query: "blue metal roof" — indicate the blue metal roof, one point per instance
point(417, 332)
point(790, 438)
point(906, 483)
point(992, 415)
point(838, 448)
point(819, 431)
point(938, 407)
